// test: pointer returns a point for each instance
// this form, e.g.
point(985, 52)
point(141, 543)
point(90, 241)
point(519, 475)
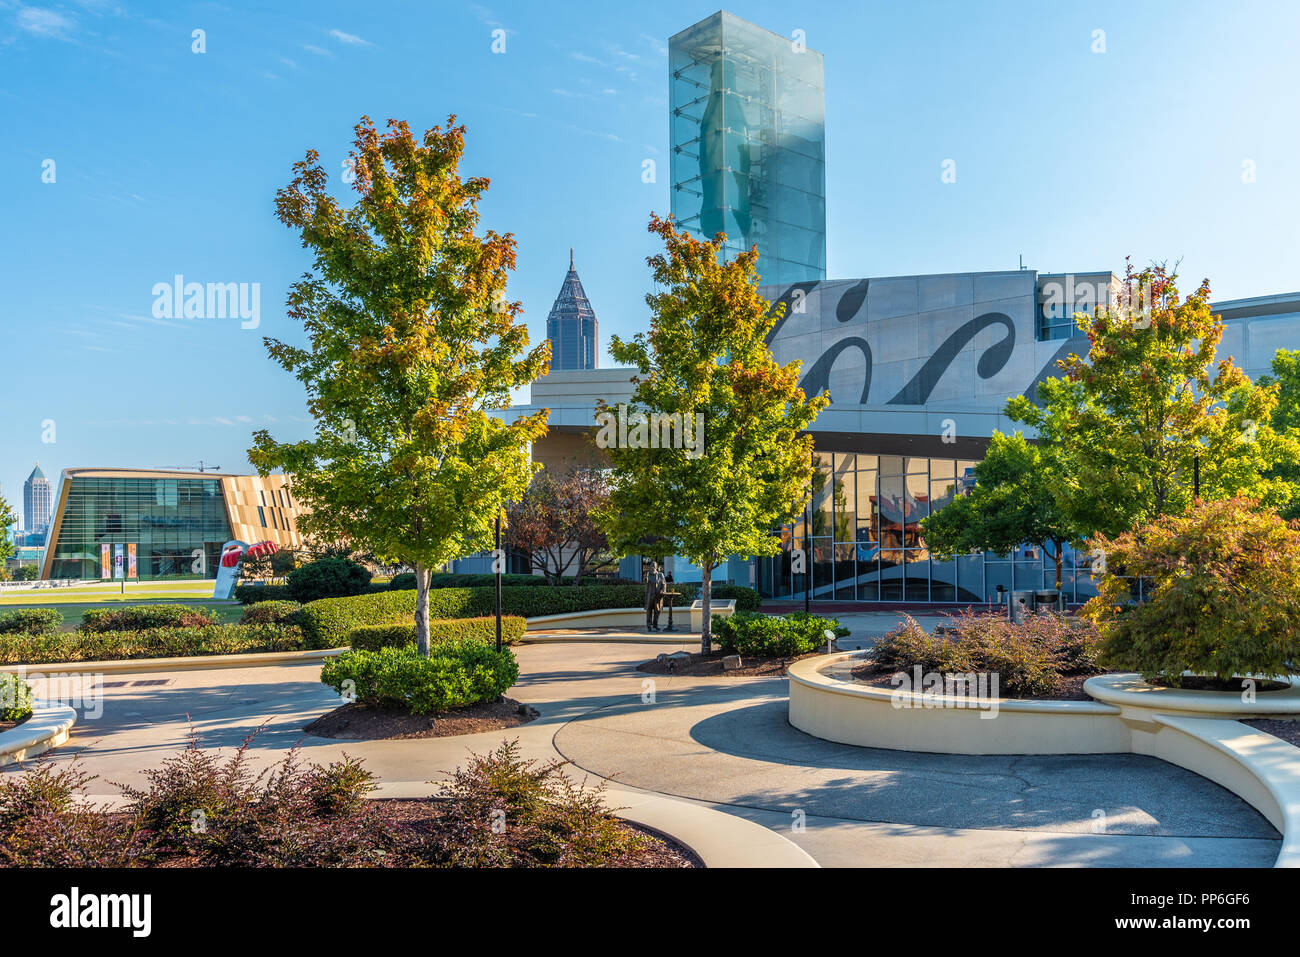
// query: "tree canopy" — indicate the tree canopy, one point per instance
point(1132, 421)
point(411, 347)
point(706, 359)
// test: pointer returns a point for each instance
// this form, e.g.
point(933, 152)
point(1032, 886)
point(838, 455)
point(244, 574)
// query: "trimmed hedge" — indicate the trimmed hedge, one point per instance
point(774, 636)
point(15, 698)
point(141, 617)
point(30, 621)
point(457, 673)
point(406, 580)
point(271, 613)
point(153, 643)
point(374, 637)
point(327, 623)
point(251, 594)
point(327, 578)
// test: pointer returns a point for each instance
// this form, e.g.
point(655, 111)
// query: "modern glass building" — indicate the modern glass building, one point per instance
point(571, 326)
point(747, 130)
point(150, 524)
point(863, 526)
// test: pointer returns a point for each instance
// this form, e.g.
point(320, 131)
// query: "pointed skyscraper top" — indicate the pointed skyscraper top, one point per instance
point(571, 326)
point(36, 473)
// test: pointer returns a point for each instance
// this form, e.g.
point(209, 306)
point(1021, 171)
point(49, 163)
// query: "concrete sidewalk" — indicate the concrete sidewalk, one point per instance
point(718, 745)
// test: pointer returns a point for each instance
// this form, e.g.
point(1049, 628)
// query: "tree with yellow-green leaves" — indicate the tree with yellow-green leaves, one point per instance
point(411, 346)
point(745, 468)
point(1150, 407)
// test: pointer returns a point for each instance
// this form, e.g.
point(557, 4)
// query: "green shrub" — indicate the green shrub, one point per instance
point(456, 673)
point(326, 623)
point(253, 594)
point(151, 643)
point(774, 636)
point(271, 613)
point(30, 621)
point(747, 599)
point(1030, 658)
point(141, 617)
point(374, 637)
point(327, 578)
point(1222, 595)
point(15, 698)
point(402, 581)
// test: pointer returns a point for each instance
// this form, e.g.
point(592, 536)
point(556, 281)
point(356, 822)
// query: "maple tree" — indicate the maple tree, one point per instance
point(411, 347)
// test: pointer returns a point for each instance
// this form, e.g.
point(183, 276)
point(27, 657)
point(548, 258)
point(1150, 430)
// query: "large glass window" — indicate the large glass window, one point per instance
point(177, 526)
point(868, 545)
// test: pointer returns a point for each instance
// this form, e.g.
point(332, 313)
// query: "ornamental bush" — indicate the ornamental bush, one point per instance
point(15, 698)
point(30, 621)
point(253, 594)
point(141, 617)
point(1030, 658)
point(327, 578)
point(327, 623)
point(374, 637)
point(1221, 590)
point(271, 613)
point(774, 636)
point(150, 643)
point(456, 673)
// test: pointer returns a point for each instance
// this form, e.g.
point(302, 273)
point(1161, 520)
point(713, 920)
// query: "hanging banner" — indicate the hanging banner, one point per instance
point(130, 561)
point(119, 560)
point(105, 563)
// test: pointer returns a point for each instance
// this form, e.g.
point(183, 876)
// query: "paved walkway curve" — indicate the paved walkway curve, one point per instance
point(721, 743)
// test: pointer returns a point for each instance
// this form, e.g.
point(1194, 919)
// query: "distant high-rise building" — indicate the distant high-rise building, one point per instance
point(571, 326)
point(747, 130)
point(37, 500)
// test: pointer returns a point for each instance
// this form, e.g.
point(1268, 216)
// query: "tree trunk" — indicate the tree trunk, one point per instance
point(706, 618)
point(1057, 556)
point(422, 578)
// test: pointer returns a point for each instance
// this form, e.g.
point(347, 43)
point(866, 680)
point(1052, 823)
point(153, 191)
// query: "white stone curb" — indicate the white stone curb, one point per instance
point(46, 728)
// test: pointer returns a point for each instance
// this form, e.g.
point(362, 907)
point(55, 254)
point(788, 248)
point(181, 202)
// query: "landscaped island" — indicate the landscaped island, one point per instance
point(200, 810)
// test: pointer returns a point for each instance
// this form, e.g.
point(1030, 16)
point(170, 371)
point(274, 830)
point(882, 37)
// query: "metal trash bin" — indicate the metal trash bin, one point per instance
point(1021, 603)
point(1048, 598)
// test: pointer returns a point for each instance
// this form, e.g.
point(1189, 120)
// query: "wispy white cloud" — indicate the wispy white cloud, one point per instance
point(319, 51)
point(350, 38)
point(43, 22)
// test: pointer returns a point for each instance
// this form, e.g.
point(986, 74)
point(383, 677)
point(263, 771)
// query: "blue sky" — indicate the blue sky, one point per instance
point(166, 161)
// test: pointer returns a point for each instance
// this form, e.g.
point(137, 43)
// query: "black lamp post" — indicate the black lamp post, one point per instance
point(807, 539)
point(500, 560)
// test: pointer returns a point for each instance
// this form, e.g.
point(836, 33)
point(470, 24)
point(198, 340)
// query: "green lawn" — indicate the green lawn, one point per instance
point(109, 592)
point(226, 611)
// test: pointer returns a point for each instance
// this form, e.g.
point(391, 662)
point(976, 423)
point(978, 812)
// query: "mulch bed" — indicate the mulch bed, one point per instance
point(710, 666)
point(10, 725)
point(416, 818)
point(355, 722)
point(422, 816)
point(1288, 731)
point(1070, 689)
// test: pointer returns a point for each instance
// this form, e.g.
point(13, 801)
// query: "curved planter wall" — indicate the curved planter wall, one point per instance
point(1197, 730)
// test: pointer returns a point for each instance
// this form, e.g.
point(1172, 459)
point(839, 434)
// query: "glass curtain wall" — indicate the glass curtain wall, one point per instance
point(166, 519)
point(747, 131)
point(866, 542)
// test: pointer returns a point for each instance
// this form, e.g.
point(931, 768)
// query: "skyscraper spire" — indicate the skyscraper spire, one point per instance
point(571, 326)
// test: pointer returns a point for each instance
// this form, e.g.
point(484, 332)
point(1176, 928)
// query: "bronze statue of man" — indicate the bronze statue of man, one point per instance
point(655, 586)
